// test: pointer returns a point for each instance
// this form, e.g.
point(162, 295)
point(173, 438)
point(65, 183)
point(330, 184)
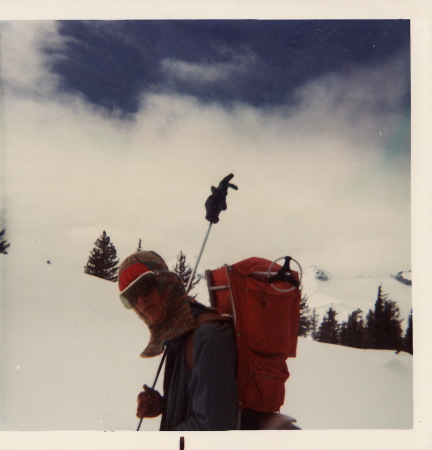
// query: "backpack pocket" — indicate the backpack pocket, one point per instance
point(262, 389)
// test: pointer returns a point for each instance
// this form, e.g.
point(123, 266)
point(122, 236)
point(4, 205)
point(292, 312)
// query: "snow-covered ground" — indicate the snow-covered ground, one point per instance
point(346, 294)
point(70, 361)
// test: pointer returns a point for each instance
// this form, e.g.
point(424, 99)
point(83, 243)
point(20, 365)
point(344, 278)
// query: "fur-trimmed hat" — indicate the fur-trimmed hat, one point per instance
point(177, 318)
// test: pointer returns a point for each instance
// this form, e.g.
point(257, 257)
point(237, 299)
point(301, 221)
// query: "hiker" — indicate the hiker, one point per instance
point(200, 390)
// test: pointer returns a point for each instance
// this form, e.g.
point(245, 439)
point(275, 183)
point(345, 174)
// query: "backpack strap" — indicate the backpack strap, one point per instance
point(201, 319)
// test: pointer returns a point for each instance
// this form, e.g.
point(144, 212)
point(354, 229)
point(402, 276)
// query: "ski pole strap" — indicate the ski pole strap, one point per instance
point(155, 380)
point(285, 274)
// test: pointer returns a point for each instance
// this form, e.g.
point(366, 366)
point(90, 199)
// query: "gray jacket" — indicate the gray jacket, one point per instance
point(206, 397)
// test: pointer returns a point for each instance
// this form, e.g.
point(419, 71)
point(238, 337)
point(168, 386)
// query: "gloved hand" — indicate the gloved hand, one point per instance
point(150, 403)
point(217, 200)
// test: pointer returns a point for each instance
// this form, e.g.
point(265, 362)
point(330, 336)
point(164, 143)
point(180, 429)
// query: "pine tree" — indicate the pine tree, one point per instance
point(329, 329)
point(343, 333)
point(353, 333)
point(4, 244)
point(408, 338)
point(103, 262)
point(370, 330)
point(384, 330)
point(305, 322)
point(184, 271)
point(393, 338)
point(314, 320)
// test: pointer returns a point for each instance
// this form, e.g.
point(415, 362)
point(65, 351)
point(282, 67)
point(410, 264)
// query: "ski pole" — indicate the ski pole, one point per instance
point(214, 205)
point(199, 258)
point(187, 290)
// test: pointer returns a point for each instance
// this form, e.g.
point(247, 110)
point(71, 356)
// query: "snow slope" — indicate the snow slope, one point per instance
point(346, 294)
point(70, 361)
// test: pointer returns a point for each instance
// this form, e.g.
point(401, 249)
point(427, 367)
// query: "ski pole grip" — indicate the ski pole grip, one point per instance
point(217, 200)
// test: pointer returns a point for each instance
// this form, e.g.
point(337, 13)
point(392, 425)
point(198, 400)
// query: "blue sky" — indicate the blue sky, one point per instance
point(259, 62)
point(123, 126)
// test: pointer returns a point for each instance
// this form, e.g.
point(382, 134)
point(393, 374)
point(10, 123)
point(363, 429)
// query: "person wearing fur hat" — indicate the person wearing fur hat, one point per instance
point(199, 388)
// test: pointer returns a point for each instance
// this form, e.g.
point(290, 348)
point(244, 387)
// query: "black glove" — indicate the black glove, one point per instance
point(217, 200)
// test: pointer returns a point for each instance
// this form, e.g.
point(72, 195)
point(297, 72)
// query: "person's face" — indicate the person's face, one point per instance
point(149, 301)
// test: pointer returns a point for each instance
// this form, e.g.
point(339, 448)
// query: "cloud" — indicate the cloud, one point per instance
point(240, 62)
point(363, 98)
point(23, 69)
point(194, 72)
point(314, 180)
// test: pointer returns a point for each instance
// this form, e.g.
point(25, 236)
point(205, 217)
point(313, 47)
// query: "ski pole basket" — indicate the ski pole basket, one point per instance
point(264, 299)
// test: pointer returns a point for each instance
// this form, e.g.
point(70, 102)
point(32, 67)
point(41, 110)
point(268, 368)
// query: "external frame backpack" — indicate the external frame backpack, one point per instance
point(264, 300)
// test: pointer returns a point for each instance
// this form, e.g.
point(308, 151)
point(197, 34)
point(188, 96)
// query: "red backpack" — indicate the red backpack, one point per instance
point(265, 306)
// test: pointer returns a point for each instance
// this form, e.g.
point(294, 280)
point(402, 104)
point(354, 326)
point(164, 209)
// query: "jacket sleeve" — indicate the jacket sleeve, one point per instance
point(213, 385)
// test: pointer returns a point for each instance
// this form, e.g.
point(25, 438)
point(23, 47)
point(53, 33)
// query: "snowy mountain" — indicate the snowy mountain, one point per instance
point(405, 277)
point(346, 294)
